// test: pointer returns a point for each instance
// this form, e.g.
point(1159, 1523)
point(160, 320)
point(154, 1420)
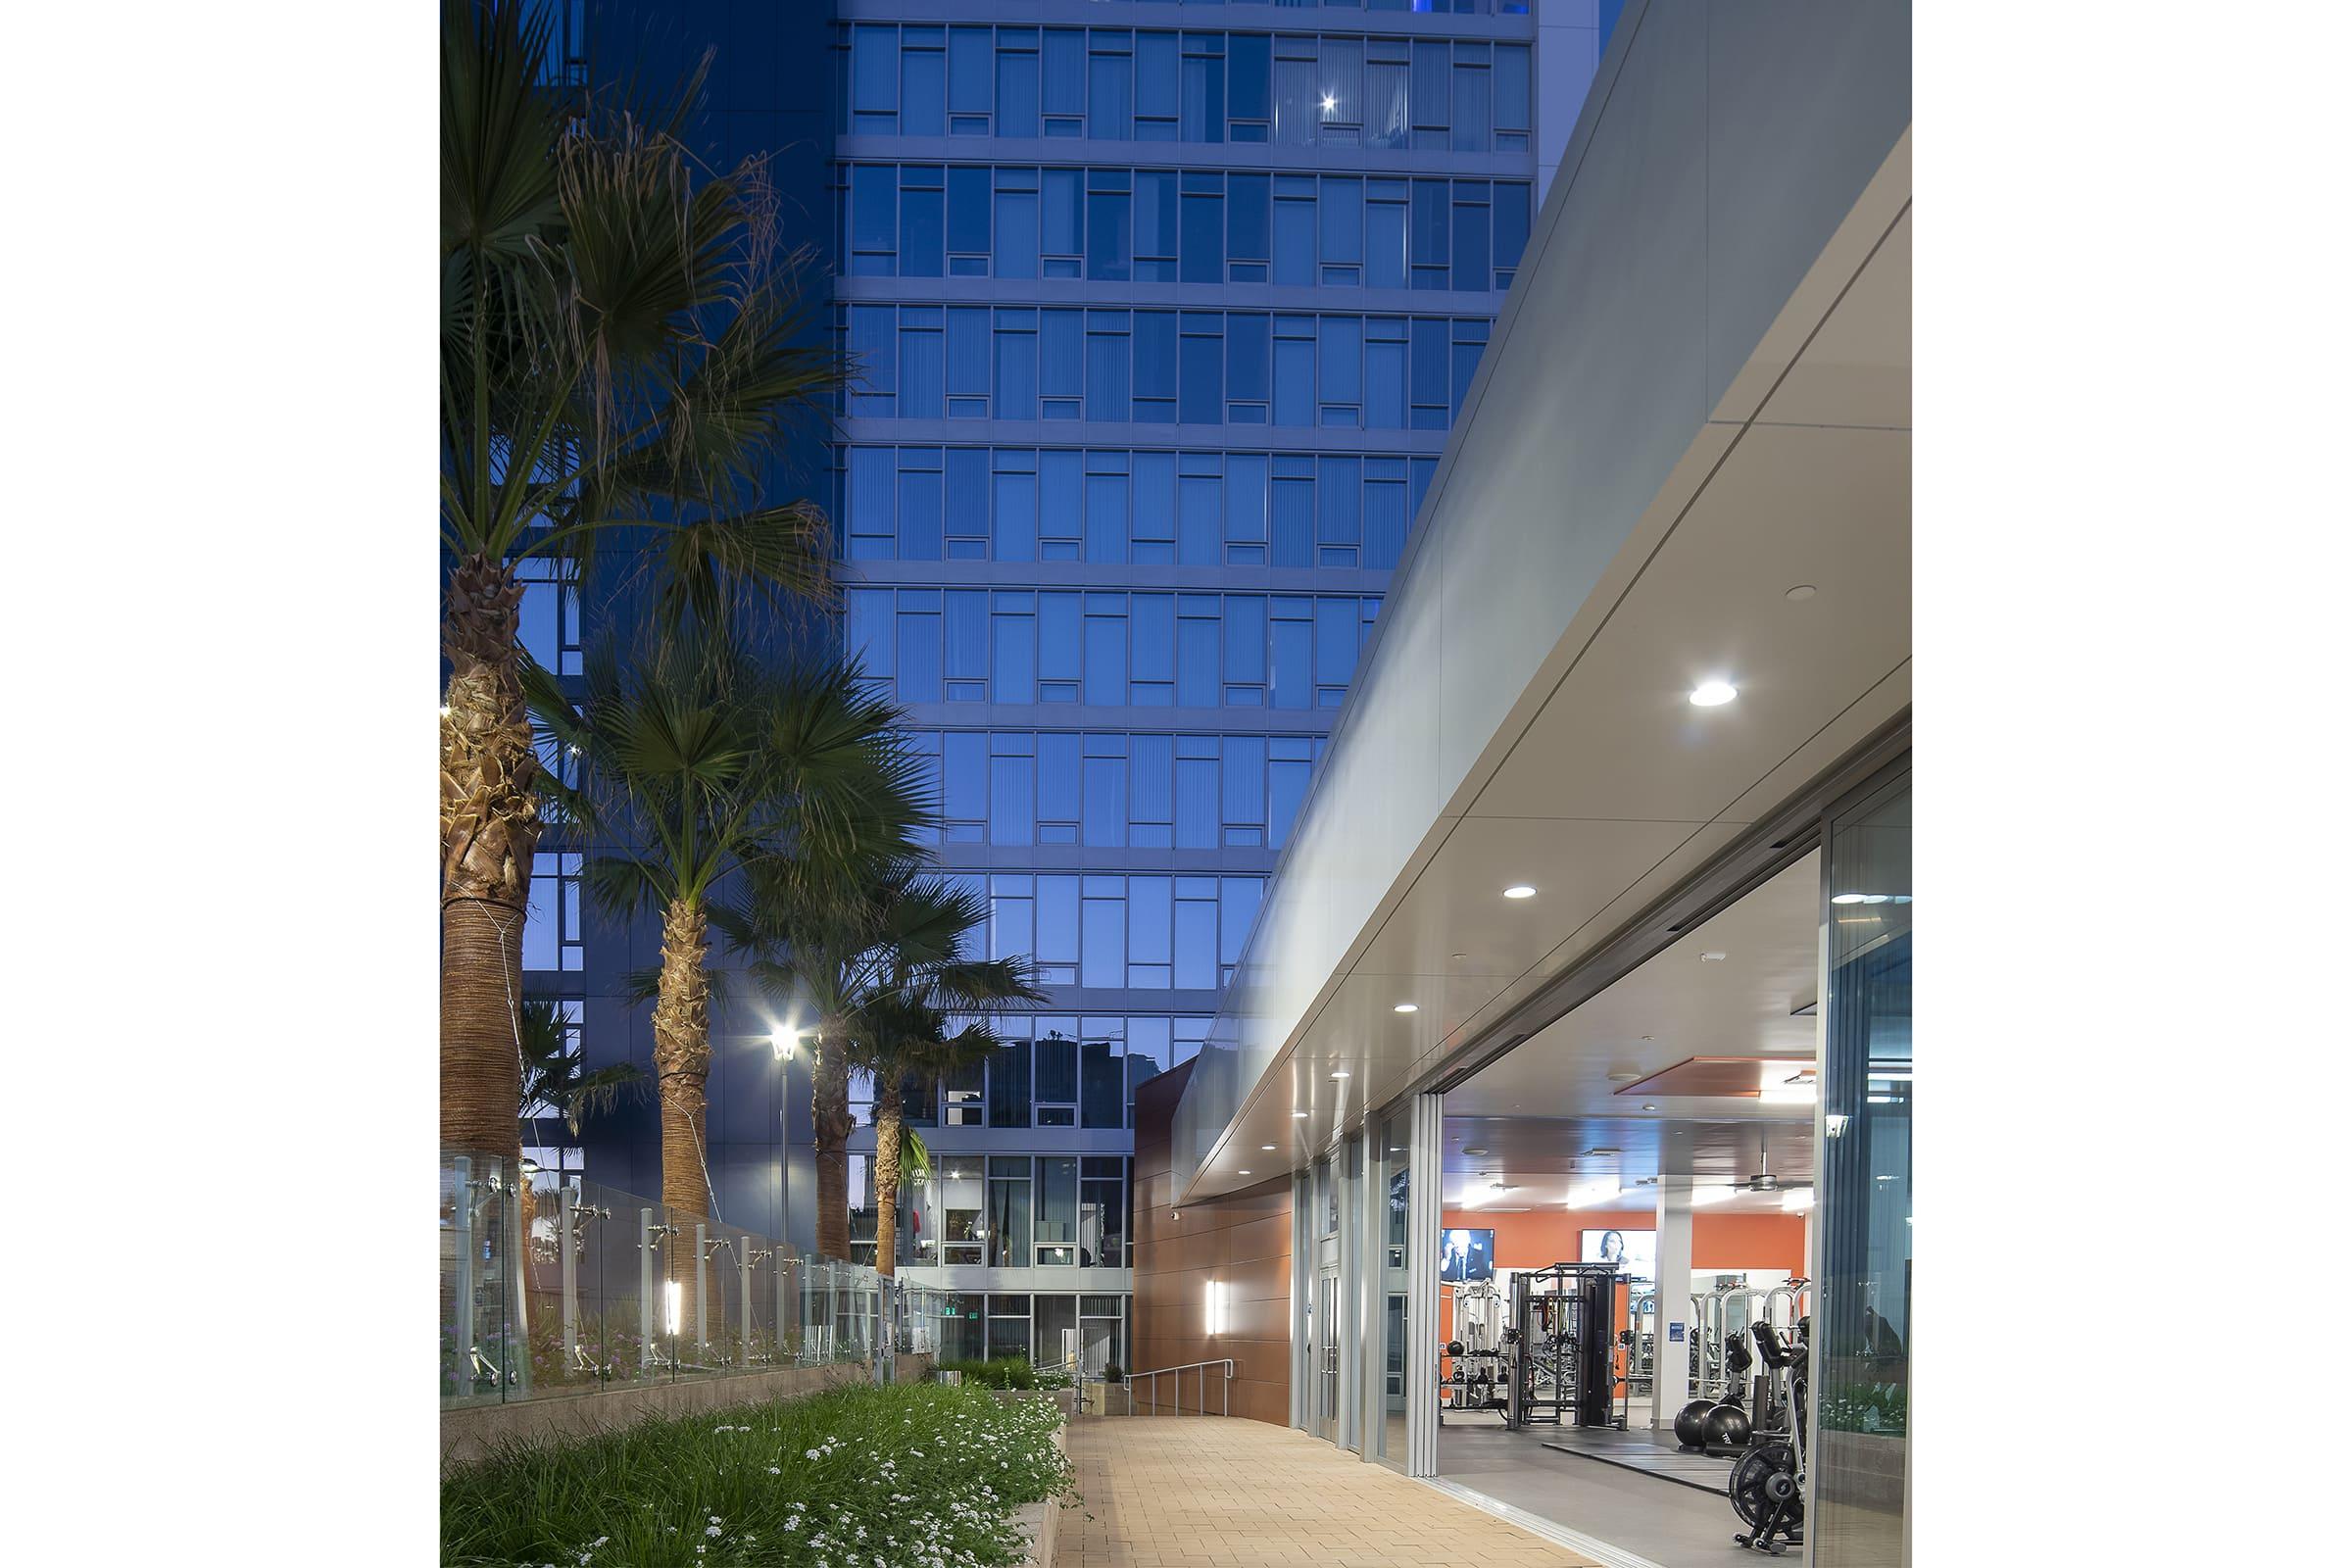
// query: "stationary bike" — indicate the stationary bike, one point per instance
point(1767, 1484)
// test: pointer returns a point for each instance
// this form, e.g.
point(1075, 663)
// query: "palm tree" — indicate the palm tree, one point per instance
point(907, 1038)
point(870, 934)
point(623, 346)
point(697, 759)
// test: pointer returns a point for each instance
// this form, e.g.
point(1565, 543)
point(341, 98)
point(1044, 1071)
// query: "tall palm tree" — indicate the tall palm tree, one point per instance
point(696, 759)
point(907, 1040)
point(847, 942)
point(622, 347)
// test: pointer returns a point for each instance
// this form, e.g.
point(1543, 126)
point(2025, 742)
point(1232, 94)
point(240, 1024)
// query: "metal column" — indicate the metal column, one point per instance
point(1424, 1211)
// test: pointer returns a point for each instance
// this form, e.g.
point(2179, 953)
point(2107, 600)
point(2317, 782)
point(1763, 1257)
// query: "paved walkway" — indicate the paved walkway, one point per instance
point(1208, 1492)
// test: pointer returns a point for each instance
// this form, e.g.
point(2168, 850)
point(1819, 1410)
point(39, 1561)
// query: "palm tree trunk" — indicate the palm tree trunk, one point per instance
point(489, 829)
point(890, 1120)
point(682, 1071)
point(829, 1107)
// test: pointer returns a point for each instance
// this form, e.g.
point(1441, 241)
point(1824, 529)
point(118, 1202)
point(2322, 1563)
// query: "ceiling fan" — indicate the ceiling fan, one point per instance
point(1764, 1181)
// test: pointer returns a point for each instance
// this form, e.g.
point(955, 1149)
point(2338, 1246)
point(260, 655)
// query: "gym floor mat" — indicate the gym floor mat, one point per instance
point(1699, 1471)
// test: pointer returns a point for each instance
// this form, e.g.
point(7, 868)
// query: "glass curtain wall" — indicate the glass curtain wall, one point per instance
point(1388, 1184)
point(1861, 1351)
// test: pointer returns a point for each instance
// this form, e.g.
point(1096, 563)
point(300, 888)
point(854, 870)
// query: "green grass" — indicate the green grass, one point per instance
point(1006, 1372)
point(910, 1476)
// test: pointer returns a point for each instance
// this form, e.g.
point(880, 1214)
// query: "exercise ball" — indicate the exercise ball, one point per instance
point(1688, 1423)
point(1725, 1427)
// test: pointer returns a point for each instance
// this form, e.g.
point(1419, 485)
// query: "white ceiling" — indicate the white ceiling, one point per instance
point(1543, 1110)
point(1614, 788)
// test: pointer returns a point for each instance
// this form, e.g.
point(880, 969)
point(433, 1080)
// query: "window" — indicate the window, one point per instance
point(1057, 1210)
point(1007, 1239)
point(550, 931)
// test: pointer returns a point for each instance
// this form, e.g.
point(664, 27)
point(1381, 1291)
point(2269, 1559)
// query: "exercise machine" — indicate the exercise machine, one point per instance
point(1470, 1365)
point(1767, 1484)
point(1563, 1361)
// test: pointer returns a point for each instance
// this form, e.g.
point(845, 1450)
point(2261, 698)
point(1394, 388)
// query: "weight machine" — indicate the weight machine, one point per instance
point(1563, 1361)
point(1767, 1484)
point(1470, 1364)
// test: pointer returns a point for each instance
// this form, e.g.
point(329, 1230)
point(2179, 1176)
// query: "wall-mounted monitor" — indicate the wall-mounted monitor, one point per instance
point(1634, 1251)
point(1466, 1255)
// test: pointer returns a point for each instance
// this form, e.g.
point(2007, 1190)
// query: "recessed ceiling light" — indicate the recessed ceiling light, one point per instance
point(1625, 1077)
point(1848, 897)
point(1713, 958)
point(1803, 592)
point(1240, 1173)
point(1408, 1006)
point(1519, 890)
point(1475, 1149)
point(1457, 957)
point(1297, 1115)
point(1338, 1072)
point(1265, 1148)
point(1649, 1108)
point(1712, 694)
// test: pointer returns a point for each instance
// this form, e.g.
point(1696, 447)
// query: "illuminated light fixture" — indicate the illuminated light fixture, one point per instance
point(1703, 1196)
point(1796, 1199)
point(1265, 1148)
point(1594, 1194)
point(1519, 890)
point(784, 1042)
point(1240, 1173)
point(1849, 897)
point(673, 1304)
point(571, 750)
point(1330, 103)
point(1216, 1305)
point(1408, 1006)
point(1297, 1115)
point(1649, 1108)
point(1834, 1123)
point(1338, 1072)
point(1712, 694)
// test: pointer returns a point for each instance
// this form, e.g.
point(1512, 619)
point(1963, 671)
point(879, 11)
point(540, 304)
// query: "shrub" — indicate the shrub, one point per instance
point(1006, 1372)
point(910, 1474)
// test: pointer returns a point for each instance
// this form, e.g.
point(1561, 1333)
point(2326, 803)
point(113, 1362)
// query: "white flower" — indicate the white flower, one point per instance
point(712, 1531)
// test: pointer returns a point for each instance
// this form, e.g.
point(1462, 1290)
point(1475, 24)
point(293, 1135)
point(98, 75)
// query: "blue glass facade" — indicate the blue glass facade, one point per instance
point(1161, 314)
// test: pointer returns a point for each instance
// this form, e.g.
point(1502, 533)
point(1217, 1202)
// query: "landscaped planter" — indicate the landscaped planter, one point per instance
point(910, 1473)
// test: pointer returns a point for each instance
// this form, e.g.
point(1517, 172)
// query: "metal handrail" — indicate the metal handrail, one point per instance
point(1224, 1386)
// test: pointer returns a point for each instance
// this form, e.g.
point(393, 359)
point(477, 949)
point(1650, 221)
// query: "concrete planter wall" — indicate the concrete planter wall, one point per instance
point(1040, 1523)
point(471, 1434)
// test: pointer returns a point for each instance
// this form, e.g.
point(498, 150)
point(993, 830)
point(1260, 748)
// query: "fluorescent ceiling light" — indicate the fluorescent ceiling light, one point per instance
point(1519, 890)
point(1713, 694)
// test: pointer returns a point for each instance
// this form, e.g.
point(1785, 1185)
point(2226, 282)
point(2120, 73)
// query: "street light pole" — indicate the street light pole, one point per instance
point(784, 1043)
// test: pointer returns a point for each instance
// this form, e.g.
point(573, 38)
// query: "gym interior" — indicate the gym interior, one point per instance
point(1628, 1238)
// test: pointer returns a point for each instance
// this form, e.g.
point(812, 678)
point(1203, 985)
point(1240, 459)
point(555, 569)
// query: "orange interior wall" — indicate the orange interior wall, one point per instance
point(1533, 1239)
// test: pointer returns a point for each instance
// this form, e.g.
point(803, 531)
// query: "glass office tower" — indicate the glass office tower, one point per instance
point(1162, 314)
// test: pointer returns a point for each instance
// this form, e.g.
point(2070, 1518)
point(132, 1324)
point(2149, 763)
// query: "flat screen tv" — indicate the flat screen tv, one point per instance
point(1466, 1255)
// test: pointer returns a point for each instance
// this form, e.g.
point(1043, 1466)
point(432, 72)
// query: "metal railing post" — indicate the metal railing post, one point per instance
point(461, 1305)
point(567, 1224)
point(744, 1266)
point(702, 1299)
point(646, 1243)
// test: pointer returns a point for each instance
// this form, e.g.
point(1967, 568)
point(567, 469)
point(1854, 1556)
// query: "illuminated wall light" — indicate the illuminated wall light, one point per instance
point(673, 1304)
point(1215, 1308)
